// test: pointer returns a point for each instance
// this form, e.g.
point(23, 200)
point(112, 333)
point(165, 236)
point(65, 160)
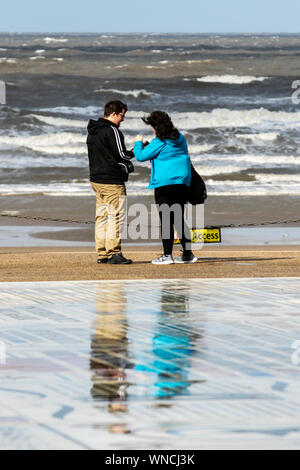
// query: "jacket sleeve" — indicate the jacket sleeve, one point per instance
point(118, 145)
point(142, 154)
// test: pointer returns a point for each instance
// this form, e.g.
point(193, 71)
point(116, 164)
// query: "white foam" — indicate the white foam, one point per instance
point(223, 117)
point(7, 60)
point(274, 178)
point(264, 159)
point(52, 189)
point(134, 93)
point(250, 188)
point(195, 149)
point(203, 61)
point(86, 111)
point(53, 40)
point(40, 51)
point(60, 122)
point(205, 170)
point(215, 188)
point(58, 59)
point(47, 160)
point(231, 79)
point(216, 164)
point(219, 117)
point(63, 143)
point(38, 57)
point(264, 137)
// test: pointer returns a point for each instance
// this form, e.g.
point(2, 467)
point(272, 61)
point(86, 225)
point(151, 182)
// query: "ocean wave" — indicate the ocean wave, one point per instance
point(231, 79)
point(255, 160)
point(60, 122)
point(6, 60)
point(54, 40)
point(219, 117)
point(275, 178)
point(211, 165)
point(44, 161)
point(52, 189)
point(205, 170)
point(259, 138)
point(195, 149)
point(215, 188)
point(38, 57)
point(74, 110)
point(63, 143)
point(246, 188)
point(223, 117)
point(134, 93)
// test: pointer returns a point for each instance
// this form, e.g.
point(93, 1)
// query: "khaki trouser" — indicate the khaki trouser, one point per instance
point(110, 216)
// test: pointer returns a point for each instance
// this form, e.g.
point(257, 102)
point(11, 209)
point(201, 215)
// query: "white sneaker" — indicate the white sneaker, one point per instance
point(164, 259)
point(186, 259)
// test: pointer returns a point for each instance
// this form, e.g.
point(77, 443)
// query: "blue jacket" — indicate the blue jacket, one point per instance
point(170, 160)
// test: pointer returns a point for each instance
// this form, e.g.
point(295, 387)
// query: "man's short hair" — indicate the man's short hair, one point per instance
point(114, 107)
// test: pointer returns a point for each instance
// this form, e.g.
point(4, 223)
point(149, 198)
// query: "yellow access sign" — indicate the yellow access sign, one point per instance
point(203, 235)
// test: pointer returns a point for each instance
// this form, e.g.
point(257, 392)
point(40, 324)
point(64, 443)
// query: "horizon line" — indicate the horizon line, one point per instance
point(154, 32)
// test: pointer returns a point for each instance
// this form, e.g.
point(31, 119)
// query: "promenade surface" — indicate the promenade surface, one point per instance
point(160, 364)
point(77, 264)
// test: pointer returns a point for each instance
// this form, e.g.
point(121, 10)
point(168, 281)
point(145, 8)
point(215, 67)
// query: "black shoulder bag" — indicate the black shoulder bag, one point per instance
point(197, 191)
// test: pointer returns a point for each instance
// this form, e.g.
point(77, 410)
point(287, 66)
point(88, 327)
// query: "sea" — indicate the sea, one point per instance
point(234, 97)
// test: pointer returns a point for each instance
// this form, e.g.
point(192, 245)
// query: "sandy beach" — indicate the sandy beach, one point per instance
point(65, 264)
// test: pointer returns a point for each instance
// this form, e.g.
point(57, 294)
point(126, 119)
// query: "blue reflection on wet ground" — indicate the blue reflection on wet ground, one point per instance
point(150, 365)
point(162, 358)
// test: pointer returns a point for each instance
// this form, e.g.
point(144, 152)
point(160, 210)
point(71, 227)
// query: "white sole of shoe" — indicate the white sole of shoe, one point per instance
point(161, 264)
point(194, 260)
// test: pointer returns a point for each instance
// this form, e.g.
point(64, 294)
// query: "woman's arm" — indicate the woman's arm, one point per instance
point(142, 154)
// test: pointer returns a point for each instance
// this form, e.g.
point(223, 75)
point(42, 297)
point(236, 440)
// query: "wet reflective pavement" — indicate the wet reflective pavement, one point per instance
point(193, 364)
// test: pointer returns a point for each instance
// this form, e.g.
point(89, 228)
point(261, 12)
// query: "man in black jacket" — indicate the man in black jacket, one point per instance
point(110, 166)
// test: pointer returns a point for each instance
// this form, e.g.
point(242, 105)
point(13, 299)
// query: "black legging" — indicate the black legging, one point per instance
point(168, 196)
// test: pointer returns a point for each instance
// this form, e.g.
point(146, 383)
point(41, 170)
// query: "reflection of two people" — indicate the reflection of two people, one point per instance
point(109, 350)
point(172, 345)
point(165, 370)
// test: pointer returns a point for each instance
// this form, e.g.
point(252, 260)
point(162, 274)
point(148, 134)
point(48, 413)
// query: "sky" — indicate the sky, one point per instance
point(158, 16)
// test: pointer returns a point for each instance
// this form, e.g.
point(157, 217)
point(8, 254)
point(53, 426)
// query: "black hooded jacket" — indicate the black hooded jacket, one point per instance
point(108, 158)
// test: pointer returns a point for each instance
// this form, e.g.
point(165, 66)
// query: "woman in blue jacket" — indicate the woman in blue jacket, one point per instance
point(170, 178)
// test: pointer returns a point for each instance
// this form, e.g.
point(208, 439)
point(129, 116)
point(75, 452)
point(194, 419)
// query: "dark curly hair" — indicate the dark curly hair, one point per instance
point(161, 122)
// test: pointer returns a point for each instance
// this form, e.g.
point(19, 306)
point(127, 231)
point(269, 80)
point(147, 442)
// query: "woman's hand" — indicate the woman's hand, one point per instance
point(139, 138)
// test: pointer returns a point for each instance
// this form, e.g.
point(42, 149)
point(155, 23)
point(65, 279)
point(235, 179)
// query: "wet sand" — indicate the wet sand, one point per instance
point(218, 210)
point(79, 263)
point(65, 264)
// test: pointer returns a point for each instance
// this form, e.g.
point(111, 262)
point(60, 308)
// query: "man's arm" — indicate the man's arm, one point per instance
point(119, 146)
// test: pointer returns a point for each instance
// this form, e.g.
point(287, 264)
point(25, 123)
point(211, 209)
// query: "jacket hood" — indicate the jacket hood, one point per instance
point(93, 126)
